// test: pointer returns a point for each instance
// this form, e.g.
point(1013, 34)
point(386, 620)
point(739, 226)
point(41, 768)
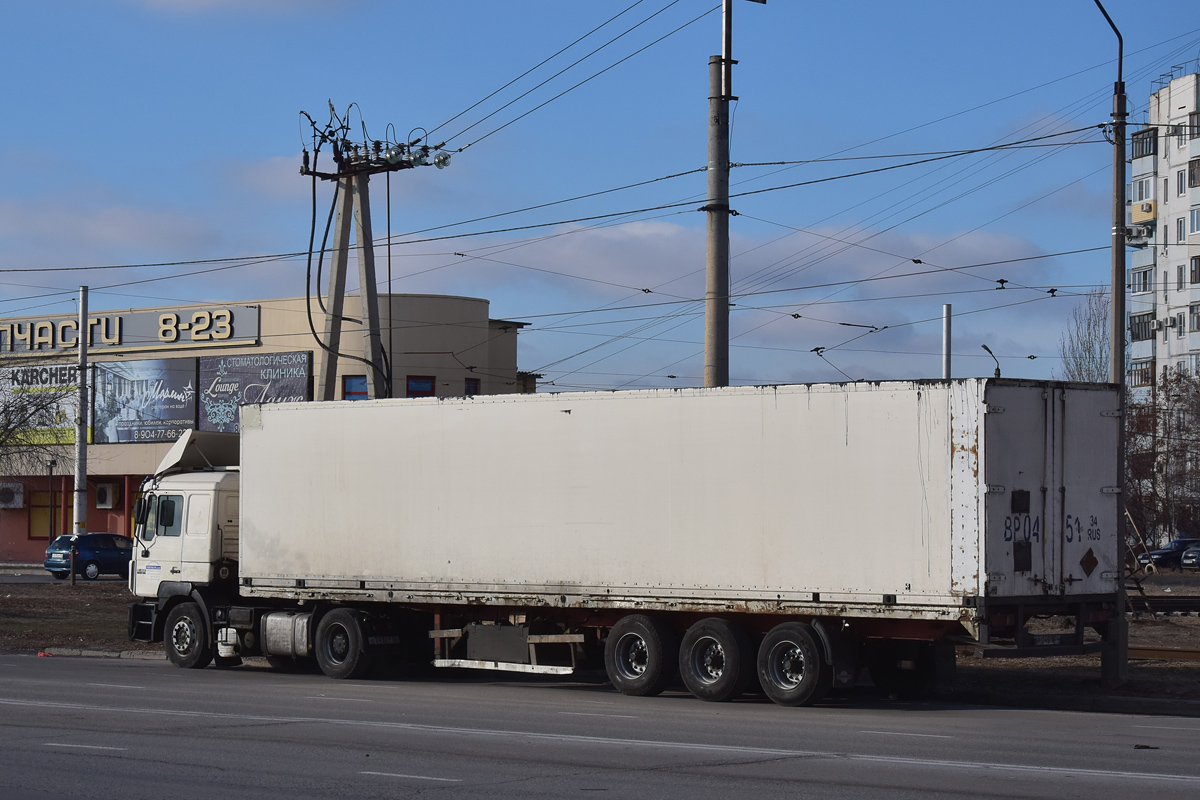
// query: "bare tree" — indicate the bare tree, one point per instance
point(1086, 343)
point(37, 417)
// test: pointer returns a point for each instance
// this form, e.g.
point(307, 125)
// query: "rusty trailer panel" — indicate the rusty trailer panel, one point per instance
point(890, 500)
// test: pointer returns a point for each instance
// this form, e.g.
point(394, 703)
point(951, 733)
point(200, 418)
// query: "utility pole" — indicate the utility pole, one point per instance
point(355, 164)
point(81, 418)
point(1114, 663)
point(946, 341)
point(716, 292)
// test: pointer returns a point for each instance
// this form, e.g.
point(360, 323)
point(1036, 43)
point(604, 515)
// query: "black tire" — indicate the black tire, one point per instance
point(716, 660)
point(90, 571)
point(340, 645)
point(791, 667)
point(59, 576)
point(640, 655)
point(225, 662)
point(185, 637)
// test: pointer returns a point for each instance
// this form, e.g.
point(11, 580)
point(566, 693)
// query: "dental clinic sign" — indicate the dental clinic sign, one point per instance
point(229, 382)
point(189, 327)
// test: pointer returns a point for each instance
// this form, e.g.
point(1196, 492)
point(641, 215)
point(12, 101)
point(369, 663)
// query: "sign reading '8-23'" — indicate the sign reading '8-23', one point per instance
point(207, 326)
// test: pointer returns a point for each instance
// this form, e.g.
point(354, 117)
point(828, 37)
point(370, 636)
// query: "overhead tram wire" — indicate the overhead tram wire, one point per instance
point(535, 67)
point(590, 78)
point(567, 68)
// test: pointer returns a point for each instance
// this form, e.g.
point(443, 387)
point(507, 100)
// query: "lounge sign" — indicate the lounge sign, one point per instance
point(215, 326)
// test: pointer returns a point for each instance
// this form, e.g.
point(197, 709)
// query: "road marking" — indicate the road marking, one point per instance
point(345, 699)
point(565, 738)
point(1167, 728)
point(414, 777)
point(898, 733)
point(586, 714)
point(115, 686)
point(84, 746)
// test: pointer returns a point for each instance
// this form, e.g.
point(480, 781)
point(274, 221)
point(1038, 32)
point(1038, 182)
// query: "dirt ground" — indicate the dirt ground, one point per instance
point(93, 616)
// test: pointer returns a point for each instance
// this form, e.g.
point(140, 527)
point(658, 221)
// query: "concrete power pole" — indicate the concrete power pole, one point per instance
point(356, 163)
point(716, 292)
point(1114, 662)
point(81, 418)
point(353, 203)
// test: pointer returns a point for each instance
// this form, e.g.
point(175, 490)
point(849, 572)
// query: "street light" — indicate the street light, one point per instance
point(993, 355)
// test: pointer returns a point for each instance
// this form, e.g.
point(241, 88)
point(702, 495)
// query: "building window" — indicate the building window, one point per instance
point(1144, 143)
point(1180, 325)
point(1194, 313)
point(1141, 327)
point(1195, 269)
point(1195, 226)
point(472, 387)
point(1194, 125)
point(1142, 281)
point(1181, 182)
point(1142, 190)
point(39, 514)
point(354, 387)
point(1141, 373)
point(1194, 173)
point(1180, 230)
point(1179, 278)
point(421, 386)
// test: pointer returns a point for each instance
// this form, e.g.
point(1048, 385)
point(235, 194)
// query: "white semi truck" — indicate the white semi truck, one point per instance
point(784, 535)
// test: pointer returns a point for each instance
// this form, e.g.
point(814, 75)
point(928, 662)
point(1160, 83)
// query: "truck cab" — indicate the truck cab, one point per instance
point(187, 530)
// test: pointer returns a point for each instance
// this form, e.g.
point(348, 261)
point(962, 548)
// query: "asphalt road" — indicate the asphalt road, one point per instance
point(136, 729)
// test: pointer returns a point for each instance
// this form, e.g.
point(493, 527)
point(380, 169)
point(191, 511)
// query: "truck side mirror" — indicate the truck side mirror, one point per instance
point(139, 511)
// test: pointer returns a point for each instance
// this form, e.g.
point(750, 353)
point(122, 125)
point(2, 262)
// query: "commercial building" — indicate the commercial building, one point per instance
point(155, 372)
point(1163, 292)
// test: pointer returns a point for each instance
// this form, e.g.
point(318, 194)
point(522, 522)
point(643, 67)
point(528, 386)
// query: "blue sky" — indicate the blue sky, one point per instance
point(167, 130)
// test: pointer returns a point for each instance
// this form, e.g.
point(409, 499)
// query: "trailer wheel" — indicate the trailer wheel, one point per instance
point(716, 660)
point(339, 645)
point(790, 667)
point(640, 655)
point(186, 638)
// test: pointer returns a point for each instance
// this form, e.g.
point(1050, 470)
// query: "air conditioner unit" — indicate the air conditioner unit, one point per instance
point(1170, 322)
point(106, 495)
point(12, 495)
point(1147, 208)
point(1156, 325)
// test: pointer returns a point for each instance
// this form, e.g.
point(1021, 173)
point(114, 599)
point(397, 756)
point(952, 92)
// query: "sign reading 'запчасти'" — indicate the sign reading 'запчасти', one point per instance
point(215, 326)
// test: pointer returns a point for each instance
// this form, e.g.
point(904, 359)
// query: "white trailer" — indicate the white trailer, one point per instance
point(786, 533)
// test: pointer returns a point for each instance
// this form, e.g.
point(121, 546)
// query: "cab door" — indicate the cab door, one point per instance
point(160, 549)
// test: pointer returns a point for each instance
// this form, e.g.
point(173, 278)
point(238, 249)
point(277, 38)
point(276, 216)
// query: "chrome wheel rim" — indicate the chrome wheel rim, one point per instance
point(633, 656)
point(183, 636)
point(786, 665)
point(708, 660)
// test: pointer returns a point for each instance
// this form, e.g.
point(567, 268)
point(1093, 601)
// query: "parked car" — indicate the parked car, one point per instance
point(1170, 556)
point(1190, 559)
point(96, 554)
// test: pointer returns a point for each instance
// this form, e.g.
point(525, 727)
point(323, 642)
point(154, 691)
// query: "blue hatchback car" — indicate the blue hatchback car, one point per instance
point(96, 554)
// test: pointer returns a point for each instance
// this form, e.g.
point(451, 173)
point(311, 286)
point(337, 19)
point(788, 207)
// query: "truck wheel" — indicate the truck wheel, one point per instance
point(185, 637)
point(790, 667)
point(339, 645)
point(716, 660)
point(640, 655)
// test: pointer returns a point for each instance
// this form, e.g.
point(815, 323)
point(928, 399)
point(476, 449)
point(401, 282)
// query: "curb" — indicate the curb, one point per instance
point(137, 655)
